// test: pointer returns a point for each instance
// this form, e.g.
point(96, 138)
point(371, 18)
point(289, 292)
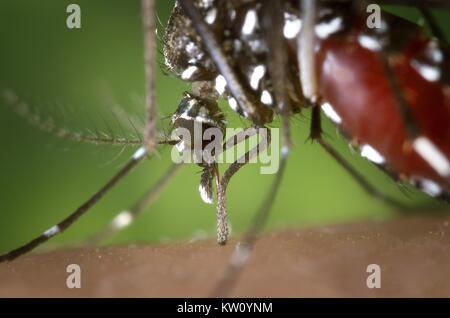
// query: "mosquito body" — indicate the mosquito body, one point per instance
point(386, 88)
point(353, 86)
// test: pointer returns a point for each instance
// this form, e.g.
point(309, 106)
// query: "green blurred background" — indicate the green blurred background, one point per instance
point(76, 77)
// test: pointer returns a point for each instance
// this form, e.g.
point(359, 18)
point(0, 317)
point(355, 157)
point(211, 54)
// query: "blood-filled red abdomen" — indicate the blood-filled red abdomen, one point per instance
point(354, 82)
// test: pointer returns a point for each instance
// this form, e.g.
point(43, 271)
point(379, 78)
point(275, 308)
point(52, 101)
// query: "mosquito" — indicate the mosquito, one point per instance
point(276, 58)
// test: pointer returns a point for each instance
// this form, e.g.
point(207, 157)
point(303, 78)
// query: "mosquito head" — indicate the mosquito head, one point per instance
point(194, 109)
point(196, 115)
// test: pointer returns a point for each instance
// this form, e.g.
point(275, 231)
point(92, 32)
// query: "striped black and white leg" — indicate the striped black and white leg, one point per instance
point(316, 135)
point(149, 146)
point(125, 218)
point(138, 157)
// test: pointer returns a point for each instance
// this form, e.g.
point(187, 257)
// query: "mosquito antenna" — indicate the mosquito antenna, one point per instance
point(138, 157)
point(22, 109)
point(115, 157)
point(136, 131)
point(149, 25)
point(118, 121)
point(110, 131)
point(125, 218)
point(122, 118)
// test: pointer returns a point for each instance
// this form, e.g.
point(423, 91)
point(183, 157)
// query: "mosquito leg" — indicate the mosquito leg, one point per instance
point(435, 28)
point(221, 61)
point(402, 105)
point(222, 184)
point(125, 218)
point(411, 126)
point(369, 188)
point(138, 157)
point(420, 143)
point(240, 137)
point(278, 60)
point(305, 50)
point(416, 140)
point(148, 14)
point(316, 134)
point(243, 250)
point(306, 64)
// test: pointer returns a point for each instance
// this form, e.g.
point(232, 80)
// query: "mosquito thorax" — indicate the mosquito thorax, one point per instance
point(240, 29)
point(243, 40)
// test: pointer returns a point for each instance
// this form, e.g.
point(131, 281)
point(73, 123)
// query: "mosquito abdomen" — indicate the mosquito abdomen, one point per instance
point(361, 100)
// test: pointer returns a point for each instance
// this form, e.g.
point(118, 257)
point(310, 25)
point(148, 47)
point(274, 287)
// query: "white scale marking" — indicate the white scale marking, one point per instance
point(191, 48)
point(429, 72)
point(434, 52)
point(233, 103)
point(207, 3)
point(122, 220)
point(201, 119)
point(324, 30)
point(331, 113)
point(430, 187)
point(191, 103)
point(266, 98)
point(257, 75)
point(292, 26)
point(431, 154)
point(52, 231)
point(204, 195)
point(372, 154)
point(250, 22)
point(185, 115)
point(211, 16)
point(139, 153)
point(187, 74)
point(221, 84)
point(369, 43)
point(437, 55)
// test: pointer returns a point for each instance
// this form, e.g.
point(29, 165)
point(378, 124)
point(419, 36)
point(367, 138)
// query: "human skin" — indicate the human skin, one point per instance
point(412, 252)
